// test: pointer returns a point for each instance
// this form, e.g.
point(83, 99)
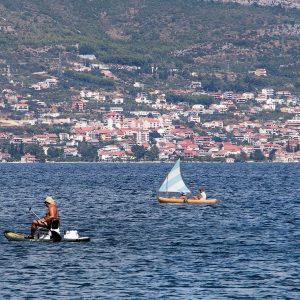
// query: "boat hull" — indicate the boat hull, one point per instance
point(17, 236)
point(188, 201)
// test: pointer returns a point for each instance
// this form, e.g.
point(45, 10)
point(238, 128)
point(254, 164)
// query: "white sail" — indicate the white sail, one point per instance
point(174, 182)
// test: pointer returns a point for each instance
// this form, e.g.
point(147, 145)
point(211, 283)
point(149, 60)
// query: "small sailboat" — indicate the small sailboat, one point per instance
point(174, 185)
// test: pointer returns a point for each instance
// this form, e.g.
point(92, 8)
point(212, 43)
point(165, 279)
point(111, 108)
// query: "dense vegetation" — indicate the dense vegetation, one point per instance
point(204, 100)
point(205, 37)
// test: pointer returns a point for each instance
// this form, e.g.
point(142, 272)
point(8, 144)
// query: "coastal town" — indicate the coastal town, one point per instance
point(112, 125)
point(150, 149)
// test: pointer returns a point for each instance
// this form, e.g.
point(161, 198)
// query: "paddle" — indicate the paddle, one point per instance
point(33, 213)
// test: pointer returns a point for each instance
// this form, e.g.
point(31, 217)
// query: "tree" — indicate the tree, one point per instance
point(202, 99)
point(16, 151)
point(154, 134)
point(54, 153)
point(216, 139)
point(36, 150)
point(86, 49)
point(257, 155)
point(242, 157)
point(152, 154)
point(88, 151)
point(191, 124)
point(138, 151)
point(272, 154)
point(4, 145)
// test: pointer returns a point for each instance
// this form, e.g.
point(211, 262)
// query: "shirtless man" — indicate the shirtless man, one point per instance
point(52, 214)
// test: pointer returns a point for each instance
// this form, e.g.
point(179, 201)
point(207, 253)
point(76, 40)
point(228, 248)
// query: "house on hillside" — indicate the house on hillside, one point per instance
point(260, 72)
point(113, 119)
point(231, 149)
point(117, 100)
point(4, 156)
point(141, 136)
point(78, 105)
point(142, 98)
point(112, 155)
point(213, 124)
point(283, 156)
point(269, 92)
point(22, 107)
point(29, 158)
point(71, 152)
point(6, 27)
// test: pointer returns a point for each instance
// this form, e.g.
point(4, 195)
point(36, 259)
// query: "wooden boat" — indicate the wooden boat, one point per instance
point(174, 184)
point(175, 200)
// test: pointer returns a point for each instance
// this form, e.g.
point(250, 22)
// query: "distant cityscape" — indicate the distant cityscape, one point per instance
point(146, 125)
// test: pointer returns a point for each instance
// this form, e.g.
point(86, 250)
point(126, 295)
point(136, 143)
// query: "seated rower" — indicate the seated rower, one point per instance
point(201, 195)
point(51, 215)
point(183, 196)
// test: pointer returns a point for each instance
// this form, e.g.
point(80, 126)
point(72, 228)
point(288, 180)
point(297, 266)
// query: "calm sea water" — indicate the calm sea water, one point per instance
point(246, 247)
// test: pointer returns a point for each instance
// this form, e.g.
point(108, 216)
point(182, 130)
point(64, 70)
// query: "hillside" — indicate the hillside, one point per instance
point(207, 37)
point(284, 3)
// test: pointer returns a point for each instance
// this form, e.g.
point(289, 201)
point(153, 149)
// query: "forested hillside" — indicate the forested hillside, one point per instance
point(196, 35)
point(283, 3)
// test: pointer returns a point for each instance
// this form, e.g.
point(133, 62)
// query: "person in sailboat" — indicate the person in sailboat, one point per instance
point(51, 215)
point(201, 194)
point(183, 196)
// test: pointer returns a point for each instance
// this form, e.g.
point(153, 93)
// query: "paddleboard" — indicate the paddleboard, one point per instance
point(17, 236)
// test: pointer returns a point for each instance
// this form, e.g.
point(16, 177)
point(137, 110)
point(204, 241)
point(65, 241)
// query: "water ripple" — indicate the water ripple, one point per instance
point(246, 247)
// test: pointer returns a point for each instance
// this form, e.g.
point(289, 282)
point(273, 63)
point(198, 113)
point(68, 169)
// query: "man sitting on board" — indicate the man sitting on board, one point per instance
point(201, 194)
point(52, 214)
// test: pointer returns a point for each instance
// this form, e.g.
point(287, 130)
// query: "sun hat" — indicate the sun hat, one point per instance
point(50, 200)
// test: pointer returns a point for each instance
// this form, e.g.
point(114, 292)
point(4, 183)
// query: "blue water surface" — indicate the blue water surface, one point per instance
point(245, 247)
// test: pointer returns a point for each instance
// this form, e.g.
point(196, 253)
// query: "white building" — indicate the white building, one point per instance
point(142, 98)
point(117, 100)
point(268, 92)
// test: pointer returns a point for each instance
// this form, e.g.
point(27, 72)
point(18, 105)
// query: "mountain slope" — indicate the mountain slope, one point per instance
point(284, 3)
point(193, 33)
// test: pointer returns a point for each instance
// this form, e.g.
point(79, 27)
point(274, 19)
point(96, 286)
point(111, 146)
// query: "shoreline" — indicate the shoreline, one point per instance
point(146, 162)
